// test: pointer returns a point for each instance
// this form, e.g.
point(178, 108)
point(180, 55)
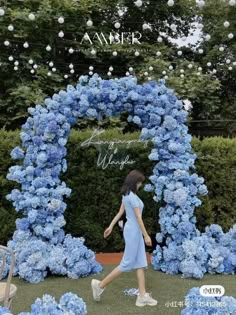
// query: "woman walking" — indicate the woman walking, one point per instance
point(134, 254)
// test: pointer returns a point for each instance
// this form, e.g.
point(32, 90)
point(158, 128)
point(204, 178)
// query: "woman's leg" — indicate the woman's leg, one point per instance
point(110, 277)
point(141, 281)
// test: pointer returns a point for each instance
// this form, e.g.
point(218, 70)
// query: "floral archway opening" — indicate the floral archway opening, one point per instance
point(39, 241)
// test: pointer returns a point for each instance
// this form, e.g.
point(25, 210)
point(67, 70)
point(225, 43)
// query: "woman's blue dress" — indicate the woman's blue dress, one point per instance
point(134, 254)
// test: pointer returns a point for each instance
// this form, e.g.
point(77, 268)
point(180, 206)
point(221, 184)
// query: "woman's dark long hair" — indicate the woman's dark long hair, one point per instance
point(130, 182)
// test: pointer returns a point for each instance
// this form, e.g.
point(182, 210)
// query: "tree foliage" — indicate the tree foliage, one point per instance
point(212, 95)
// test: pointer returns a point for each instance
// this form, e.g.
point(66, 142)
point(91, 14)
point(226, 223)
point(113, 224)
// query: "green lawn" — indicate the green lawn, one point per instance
point(165, 288)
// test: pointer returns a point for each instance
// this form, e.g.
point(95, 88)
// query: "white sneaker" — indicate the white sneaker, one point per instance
point(96, 290)
point(146, 300)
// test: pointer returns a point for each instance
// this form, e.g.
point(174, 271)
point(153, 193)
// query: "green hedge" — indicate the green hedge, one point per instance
point(95, 197)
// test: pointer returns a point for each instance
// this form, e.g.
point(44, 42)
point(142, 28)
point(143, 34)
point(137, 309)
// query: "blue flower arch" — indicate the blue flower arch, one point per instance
point(39, 241)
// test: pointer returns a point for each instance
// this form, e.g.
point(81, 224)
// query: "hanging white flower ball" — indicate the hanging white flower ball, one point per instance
point(173, 27)
point(72, 71)
point(226, 24)
point(91, 68)
point(228, 61)
point(15, 68)
point(214, 71)
point(26, 45)
point(209, 64)
point(117, 25)
point(149, 78)
point(89, 23)
point(199, 68)
point(200, 3)
point(2, 12)
point(71, 66)
point(51, 64)
point(190, 66)
point(146, 26)
point(221, 49)
point(31, 61)
point(164, 72)
point(182, 76)
point(166, 77)
point(61, 20)
point(138, 3)
point(49, 73)
point(131, 69)
point(111, 68)
point(136, 53)
point(182, 71)
point(232, 2)
point(179, 53)
point(146, 73)
point(91, 73)
point(10, 28)
point(32, 71)
point(54, 69)
point(198, 73)
point(10, 58)
point(66, 76)
point(171, 3)
point(208, 37)
point(109, 73)
point(127, 74)
point(61, 34)
point(159, 39)
point(114, 53)
point(230, 68)
point(234, 63)
point(35, 66)
point(71, 50)
point(171, 67)
point(230, 35)
point(150, 68)
point(31, 16)
point(93, 52)
point(6, 43)
point(48, 48)
point(200, 51)
point(16, 63)
point(158, 54)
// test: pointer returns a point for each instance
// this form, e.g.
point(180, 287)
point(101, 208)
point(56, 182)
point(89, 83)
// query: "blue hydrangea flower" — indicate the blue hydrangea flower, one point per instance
point(197, 304)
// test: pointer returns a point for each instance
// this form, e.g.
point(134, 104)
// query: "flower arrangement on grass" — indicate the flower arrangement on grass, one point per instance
point(5, 311)
point(40, 238)
point(202, 305)
point(69, 304)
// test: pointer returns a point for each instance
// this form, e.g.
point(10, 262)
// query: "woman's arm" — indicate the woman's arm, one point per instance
point(117, 217)
point(140, 221)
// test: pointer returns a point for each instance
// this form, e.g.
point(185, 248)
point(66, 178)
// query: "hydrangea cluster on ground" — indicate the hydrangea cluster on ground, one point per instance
point(69, 304)
point(198, 304)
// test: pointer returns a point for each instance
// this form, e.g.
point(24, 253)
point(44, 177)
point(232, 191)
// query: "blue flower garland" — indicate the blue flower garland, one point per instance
point(40, 243)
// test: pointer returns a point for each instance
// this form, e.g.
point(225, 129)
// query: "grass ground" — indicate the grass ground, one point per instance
point(165, 288)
